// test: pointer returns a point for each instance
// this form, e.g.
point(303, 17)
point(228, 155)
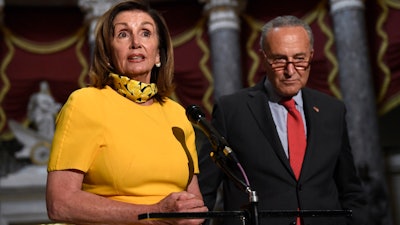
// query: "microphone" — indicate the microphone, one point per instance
point(218, 142)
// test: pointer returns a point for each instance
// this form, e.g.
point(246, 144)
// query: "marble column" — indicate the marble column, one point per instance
point(358, 95)
point(1, 11)
point(93, 9)
point(224, 32)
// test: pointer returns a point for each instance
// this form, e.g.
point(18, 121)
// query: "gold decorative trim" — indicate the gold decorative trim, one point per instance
point(390, 104)
point(197, 32)
point(12, 40)
point(6, 83)
point(255, 30)
point(203, 66)
point(321, 10)
point(184, 37)
point(82, 60)
point(393, 3)
point(40, 48)
point(393, 101)
point(382, 50)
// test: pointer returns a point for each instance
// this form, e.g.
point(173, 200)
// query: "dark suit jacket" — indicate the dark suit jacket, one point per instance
point(328, 179)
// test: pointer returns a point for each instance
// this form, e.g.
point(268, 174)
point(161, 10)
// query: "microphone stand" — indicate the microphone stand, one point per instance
point(250, 215)
point(251, 212)
point(218, 156)
point(222, 155)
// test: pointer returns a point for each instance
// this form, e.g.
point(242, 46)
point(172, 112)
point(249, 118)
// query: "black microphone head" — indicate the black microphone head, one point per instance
point(194, 113)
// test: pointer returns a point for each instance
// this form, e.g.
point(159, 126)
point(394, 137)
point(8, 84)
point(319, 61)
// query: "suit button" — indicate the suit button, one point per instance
point(292, 223)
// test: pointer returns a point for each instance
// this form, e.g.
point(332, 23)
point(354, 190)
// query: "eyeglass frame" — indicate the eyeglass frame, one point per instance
point(287, 62)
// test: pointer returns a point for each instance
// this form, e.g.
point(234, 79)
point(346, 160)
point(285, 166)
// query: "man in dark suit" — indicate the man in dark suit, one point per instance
point(253, 121)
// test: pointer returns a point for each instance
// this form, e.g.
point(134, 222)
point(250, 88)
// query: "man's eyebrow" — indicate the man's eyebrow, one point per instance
point(300, 54)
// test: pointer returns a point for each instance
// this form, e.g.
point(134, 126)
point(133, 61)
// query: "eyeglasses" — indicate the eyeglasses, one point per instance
point(281, 64)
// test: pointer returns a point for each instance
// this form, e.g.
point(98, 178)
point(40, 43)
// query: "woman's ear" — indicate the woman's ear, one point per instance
point(158, 61)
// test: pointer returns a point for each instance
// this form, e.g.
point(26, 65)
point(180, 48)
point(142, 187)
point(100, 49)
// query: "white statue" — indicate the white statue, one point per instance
point(42, 110)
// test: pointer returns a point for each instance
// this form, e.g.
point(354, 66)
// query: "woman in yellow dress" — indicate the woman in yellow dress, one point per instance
point(121, 147)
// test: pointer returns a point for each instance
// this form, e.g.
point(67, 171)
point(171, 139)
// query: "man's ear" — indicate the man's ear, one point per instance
point(263, 53)
point(311, 54)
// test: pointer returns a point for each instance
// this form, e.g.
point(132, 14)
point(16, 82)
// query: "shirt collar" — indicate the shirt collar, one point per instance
point(274, 97)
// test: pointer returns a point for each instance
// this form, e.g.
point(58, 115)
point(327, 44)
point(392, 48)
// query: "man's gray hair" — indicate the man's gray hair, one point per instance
point(285, 21)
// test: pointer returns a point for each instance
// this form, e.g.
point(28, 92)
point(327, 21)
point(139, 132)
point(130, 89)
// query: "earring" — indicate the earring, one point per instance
point(109, 65)
point(158, 64)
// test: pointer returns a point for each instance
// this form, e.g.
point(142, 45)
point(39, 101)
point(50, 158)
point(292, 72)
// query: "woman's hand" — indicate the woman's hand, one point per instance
point(182, 202)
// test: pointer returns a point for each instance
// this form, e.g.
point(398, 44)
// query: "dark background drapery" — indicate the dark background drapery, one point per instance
point(50, 44)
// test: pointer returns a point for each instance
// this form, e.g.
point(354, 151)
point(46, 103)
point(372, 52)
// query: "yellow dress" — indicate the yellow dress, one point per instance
point(128, 152)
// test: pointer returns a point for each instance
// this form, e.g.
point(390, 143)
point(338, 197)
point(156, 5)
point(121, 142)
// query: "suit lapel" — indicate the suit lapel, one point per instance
point(258, 105)
point(311, 112)
point(261, 112)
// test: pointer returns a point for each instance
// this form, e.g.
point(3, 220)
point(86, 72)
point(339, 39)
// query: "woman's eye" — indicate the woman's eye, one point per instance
point(122, 34)
point(146, 33)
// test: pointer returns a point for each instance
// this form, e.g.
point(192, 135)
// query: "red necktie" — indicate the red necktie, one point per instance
point(296, 139)
point(296, 136)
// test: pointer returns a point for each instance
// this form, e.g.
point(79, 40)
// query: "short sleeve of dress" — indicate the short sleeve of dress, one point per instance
point(78, 134)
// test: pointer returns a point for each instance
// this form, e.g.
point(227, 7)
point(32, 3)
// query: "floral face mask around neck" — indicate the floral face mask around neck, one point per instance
point(134, 90)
